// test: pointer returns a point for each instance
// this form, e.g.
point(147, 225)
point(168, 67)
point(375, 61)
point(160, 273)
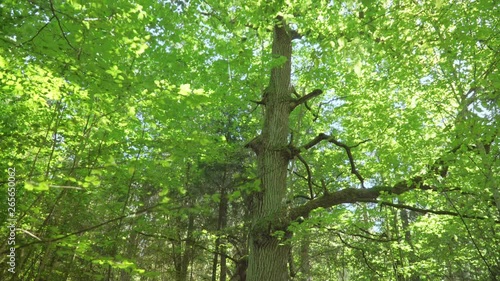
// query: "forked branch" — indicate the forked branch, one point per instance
point(331, 139)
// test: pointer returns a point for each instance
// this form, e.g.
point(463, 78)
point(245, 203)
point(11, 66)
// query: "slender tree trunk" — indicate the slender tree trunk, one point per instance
point(215, 261)
point(398, 260)
point(405, 222)
point(44, 262)
point(130, 253)
point(305, 263)
point(184, 250)
point(219, 242)
point(222, 225)
point(268, 259)
point(188, 251)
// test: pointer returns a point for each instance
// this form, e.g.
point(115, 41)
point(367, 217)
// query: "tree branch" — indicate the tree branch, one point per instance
point(316, 116)
point(380, 238)
point(197, 245)
point(39, 31)
point(331, 139)
point(351, 160)
point(53, 10)
point(309, 175)
point(425, 211)
point(354, 195)
point(295, 34)
point(296, 102)
point(359, 249)
point(50, 240)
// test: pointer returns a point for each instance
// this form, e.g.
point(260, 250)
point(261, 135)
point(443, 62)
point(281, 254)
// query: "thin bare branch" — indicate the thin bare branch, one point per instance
point(66, 187)
point(31, 234)
point(347, 149)
point(331, 139)
point(426, 211)
point(309, 175)
point(39, 31)
point(54, 14)
point(87, 229)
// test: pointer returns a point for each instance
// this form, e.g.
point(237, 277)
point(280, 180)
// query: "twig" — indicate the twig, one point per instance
point(309, 176)
point(39, 31)
point(87, 229)
point(351, 159)
point(52, 9)
point(425, 211)
point(347, 148)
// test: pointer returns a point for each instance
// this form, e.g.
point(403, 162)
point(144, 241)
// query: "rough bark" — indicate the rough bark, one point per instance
point(268, 259)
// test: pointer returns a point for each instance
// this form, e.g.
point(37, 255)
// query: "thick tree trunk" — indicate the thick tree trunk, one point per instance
point(268, 259)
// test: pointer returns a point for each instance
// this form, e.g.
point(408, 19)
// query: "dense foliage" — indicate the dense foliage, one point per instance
point(142, 141)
